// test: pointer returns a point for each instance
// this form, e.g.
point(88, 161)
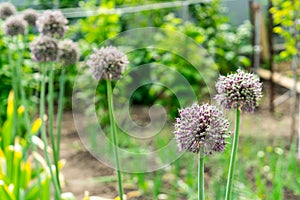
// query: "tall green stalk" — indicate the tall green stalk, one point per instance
point(26, 115)
point(114, 135)
point(60, 108)
point(234, 148)
point(15, 89)
point(51, 121)
point(43, 132)
point(201, 195)
point(22, 92)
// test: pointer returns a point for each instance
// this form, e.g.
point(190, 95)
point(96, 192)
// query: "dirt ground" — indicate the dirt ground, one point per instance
point(81, 168)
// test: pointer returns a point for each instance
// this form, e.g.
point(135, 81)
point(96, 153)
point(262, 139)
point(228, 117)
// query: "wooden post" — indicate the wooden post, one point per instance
point(185, 12)
point(294, 106)
point(271, 50)
point(251, 13)
point(296, 63)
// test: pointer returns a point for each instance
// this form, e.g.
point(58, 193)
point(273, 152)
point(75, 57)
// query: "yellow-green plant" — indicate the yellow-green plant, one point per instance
point(20, 177)
point(286, 13)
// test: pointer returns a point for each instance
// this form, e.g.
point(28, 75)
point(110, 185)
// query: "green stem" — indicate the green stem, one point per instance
point(60, 108)
point(15, 89)
point(233, 156)
point(23, 96)
point(201, 195)
point(114, 136)
point(26, 42)
point(26, 115)
point(16, 80)
point(43, 131)
point(51, 116)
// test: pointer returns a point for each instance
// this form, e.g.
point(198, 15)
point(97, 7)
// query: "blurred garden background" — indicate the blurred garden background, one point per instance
point(259, 36)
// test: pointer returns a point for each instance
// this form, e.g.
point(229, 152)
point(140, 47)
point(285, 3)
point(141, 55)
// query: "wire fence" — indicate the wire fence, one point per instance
point(80, 12)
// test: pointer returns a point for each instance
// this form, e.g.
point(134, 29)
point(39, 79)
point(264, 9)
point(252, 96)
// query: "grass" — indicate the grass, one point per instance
point(265, 169)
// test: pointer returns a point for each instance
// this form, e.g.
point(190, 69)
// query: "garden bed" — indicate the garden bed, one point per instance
point(84, 173)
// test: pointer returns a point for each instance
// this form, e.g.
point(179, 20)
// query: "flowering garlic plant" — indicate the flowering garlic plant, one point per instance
point(44, 49)
point(49, 50)
point(202, 130)
point(241, 91)
point(108, 63)
point(6, 10)
point(68, 52)
point(52, 24)
point(31, 16)
point(14, 26)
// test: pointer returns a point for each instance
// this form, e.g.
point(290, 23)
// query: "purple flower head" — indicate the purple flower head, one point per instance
point(6, 10)
point(201, 129)
point(68, 52)
point(241, 90)
point(52, 24)
point(14, 26)
point(107, 63)
point(44, 49)
point(30, 15)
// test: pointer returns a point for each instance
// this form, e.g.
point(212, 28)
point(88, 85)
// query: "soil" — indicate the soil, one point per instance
point(82, 171)
point(81, 166)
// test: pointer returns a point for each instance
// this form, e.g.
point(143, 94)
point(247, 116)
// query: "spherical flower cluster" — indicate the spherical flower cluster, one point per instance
point(201, 129)
point(6, 10)
point(14, 26)
point(107, 63)
point(68, 52)
point(241, 90)
point(52, 24)
point(30, 15)
point(44, 49)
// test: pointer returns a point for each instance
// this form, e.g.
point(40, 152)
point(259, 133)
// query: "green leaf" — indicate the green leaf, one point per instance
point(277, 30)
point(5, 193)
point(244, 61)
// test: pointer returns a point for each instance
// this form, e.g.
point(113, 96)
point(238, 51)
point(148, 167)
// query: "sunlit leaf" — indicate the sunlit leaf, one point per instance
point(36, 126)
point(10, 105)
point(21, 110)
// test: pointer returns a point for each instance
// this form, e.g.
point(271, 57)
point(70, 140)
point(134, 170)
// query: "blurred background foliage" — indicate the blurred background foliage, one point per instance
point(206, 23)
point(229, 46)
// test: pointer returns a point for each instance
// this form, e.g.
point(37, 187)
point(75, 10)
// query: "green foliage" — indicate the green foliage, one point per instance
point(138, 2)
point(263, 172)
point(94, 30)
point(68, 3)
point(229, 46)
point(286, 13)
point(30, 77)
point(18, 177)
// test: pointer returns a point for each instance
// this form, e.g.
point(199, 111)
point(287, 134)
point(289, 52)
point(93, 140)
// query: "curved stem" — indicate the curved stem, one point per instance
point(114, 136)
point(234, 148)
point(201, 195)
point(44, 136)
